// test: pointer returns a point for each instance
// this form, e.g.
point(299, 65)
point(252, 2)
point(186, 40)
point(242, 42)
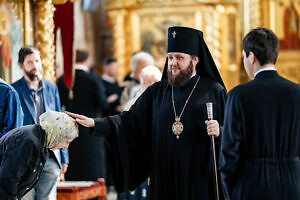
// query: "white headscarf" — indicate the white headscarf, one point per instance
point(57, 126)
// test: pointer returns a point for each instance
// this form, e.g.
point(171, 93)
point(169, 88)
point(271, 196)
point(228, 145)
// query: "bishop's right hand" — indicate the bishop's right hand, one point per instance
point(81, 119)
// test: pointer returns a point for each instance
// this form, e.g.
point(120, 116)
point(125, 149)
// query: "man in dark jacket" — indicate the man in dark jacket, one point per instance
point(261, 140)
point(113, 90)
point(87, 154)
point(23, 152)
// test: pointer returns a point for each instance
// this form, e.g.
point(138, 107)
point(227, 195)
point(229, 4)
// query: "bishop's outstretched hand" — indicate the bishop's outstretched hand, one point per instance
point(81, 119)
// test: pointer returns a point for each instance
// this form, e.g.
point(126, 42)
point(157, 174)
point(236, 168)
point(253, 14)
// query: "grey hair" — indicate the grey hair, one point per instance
point(150, 70)
point(140, 56)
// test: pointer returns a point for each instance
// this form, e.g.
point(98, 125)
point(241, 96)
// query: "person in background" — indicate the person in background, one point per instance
point(11, 114)
point(137, 63)
point(112, 89)
point(149, 75)
point(23, 152)
point(260, 151)
point(37, 96)
point(87, 153)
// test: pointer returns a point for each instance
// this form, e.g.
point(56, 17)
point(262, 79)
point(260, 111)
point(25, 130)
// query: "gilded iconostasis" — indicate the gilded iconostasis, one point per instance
point(142, 25)
point(126, 26)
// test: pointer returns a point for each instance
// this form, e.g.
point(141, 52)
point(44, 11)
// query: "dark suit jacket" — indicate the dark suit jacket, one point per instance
point(112, 88)
point(261, 142)
point(87, 153)
point(51, 102)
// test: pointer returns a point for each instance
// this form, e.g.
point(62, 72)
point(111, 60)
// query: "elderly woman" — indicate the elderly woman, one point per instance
point(23, 152)
point(149, 75)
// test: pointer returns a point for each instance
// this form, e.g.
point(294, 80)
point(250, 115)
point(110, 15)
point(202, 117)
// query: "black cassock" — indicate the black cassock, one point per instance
point(141, 142)
point(261, 142)
point(87, 153)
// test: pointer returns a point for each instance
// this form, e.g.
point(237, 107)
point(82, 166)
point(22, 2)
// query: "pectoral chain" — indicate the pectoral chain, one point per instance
point(177, 127)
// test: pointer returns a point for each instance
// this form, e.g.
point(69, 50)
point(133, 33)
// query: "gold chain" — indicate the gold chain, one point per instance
point(185, 101)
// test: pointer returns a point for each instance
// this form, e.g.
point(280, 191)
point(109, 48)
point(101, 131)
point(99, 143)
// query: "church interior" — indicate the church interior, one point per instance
point(119, 28)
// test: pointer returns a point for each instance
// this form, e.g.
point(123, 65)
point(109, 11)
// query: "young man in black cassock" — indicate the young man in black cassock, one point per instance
point(261, 141)
point(165, 134)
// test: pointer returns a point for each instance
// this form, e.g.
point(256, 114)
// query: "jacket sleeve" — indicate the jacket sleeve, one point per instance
point(230, 145)
point(128, 140)
point(17, 155)
point(64, 153)
point(12, 110)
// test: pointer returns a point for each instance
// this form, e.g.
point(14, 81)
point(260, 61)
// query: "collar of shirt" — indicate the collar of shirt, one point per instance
point(41, 86)
point(82, 67)
point(108, 78)
point(193, 75)
point(265, 69)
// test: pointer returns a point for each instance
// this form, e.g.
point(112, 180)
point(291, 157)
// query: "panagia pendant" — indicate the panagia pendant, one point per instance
point(177, 127)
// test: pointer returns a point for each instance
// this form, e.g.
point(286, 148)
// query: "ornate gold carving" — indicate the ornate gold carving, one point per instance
point(126, 3)
point(45, 36)
point(211, 32)
point(119, 42)
point(288, 64)
point(220, 27)
point(61, 1)
point(28, 30)
point(255, 19)
point(252, 14)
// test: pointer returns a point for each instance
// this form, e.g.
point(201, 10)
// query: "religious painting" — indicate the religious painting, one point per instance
point(287, 26)
point(10, 38)
point(154, 30)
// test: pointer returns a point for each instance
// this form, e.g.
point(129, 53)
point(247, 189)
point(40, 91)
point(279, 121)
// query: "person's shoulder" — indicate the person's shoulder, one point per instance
point(289, 84)
point(88, 77)
point(242, 89)
point(211, 84)
point(6, 88)
point(23, 134)
point(157, 87)
point(160, 84)
point(49, 85)
point(19, 83)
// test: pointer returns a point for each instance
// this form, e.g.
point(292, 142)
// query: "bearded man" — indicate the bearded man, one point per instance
point(165, 134)
point(38, 96)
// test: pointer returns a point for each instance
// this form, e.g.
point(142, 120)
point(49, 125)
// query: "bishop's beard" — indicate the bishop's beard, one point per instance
point(182, 78)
